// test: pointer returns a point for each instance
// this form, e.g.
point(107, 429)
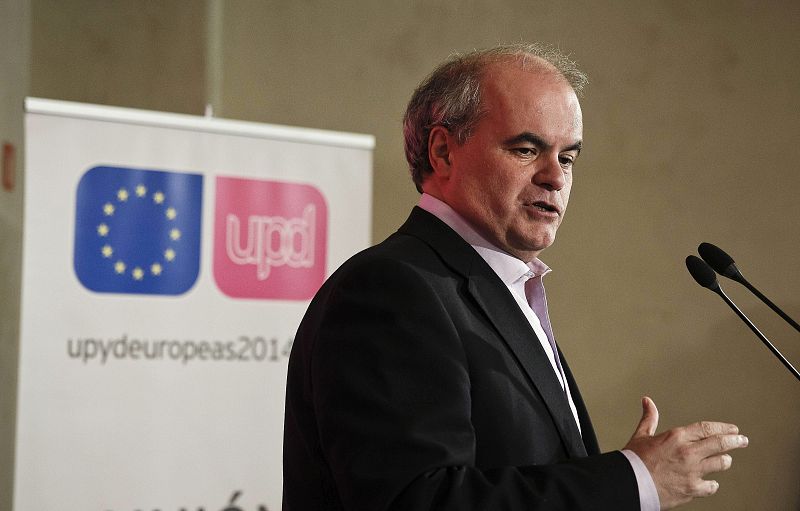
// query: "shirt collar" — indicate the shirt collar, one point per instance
point(507, 267)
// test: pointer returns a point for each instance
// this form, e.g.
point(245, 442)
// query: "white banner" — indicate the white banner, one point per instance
point(167, 262)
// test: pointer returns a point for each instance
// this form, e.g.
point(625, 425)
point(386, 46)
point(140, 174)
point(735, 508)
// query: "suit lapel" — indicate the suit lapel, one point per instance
point(504, 313)
point(587, 429)
point(494, 299)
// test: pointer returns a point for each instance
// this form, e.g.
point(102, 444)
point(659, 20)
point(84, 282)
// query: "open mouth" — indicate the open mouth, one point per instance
point(544, 206)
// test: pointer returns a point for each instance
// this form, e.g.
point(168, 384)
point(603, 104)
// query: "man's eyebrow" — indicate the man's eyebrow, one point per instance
point(577, 146)
point(534, 139)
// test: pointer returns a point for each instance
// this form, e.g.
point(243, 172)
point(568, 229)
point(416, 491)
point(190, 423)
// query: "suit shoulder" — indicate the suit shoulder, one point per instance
point(397, 264)
point(394, 253)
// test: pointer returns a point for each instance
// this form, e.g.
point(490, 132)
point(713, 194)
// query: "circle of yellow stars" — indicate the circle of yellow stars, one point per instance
point(156, 268)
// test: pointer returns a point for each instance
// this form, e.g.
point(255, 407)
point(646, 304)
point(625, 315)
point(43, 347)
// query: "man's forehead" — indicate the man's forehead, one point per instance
point(511, 92)
point(533, 70)
point(512, 85)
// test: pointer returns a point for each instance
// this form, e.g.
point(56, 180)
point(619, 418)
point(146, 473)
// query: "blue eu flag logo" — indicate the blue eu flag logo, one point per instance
point(138, 231)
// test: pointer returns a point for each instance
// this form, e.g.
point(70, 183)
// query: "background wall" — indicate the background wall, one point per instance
point(14, 83)
point(690, 120)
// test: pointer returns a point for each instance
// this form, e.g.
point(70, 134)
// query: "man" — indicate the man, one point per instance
point(425, 375)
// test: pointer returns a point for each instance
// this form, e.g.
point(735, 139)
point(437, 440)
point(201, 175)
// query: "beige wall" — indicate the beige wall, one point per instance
point(690, 121)
point(135, 53)
point(14, 83)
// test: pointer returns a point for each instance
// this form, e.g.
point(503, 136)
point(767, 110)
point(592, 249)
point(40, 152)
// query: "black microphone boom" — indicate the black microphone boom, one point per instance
point(724, 265)
point(705, 276)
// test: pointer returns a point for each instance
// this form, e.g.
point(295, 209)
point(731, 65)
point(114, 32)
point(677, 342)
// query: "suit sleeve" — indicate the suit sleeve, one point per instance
point(391, 397)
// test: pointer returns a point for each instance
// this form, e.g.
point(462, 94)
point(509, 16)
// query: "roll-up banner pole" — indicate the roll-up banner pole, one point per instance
point(167, 262)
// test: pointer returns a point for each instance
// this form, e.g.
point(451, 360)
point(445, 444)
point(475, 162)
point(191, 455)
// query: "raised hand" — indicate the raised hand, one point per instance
point(678, 459)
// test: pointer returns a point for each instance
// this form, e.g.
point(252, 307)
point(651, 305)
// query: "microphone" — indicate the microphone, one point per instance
point(724, 265)
point(705, 276)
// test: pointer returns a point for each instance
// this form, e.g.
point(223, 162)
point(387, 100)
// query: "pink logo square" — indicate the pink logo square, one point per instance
point(270, 239)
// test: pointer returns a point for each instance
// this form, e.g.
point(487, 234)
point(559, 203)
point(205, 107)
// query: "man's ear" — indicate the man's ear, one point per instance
point(440, 143)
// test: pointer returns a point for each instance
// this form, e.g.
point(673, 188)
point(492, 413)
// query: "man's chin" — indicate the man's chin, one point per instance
point(527, 254)
point(530, 248)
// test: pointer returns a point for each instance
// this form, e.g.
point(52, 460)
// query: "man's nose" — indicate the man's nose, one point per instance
point(549, 174)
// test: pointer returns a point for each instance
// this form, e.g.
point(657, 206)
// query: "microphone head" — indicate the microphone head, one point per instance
point(718, 259)
point(702, 273)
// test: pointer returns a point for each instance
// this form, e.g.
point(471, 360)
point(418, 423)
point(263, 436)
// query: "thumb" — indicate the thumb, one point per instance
point(649, 422)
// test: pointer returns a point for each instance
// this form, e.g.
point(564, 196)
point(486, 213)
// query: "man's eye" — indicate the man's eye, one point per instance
point(566, 161)
point(525, 151)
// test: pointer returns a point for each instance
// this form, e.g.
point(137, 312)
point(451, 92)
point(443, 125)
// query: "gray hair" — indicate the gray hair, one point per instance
point(451, 95)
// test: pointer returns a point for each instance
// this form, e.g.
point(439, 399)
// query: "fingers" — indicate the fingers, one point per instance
point(678, 459)
point(718, 444)
point(706, 488)
point(701, 488)
point(716, 464)
point(705, 429)
point(649, 422)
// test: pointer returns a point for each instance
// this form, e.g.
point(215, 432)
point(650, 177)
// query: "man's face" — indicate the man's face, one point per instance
point(511, 179)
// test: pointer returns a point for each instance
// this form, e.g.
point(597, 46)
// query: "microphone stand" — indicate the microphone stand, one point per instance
point(743, 281)
point(705, 276)
point(724, 264)
point(756, 331)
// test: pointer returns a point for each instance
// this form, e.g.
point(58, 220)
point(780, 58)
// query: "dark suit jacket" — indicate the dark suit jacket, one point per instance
point(416, 383)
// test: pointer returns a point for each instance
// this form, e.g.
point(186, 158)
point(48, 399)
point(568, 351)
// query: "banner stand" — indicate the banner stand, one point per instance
point(167, 261)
